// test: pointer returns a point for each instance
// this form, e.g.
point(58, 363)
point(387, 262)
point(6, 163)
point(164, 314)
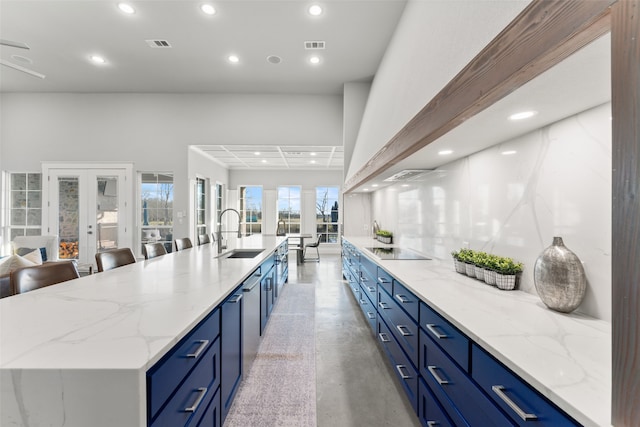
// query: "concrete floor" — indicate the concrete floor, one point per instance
point(355, 384)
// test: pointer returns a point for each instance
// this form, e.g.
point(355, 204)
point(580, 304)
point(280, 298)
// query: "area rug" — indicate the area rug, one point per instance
point(280, 388)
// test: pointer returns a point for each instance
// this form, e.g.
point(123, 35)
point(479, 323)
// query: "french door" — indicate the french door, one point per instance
point(87, 209)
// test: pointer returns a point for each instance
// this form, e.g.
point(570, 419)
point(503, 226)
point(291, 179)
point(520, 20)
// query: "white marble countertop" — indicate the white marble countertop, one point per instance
point(125, 318)
point(566, 357)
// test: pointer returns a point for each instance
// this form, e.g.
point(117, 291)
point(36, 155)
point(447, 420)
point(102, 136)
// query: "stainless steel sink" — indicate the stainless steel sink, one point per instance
point(241, 253)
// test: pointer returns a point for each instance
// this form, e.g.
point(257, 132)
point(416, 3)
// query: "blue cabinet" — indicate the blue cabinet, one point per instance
point(449, 379)
point(523, 404)
point(267, 284)
point(182, 385)
point(230, 350)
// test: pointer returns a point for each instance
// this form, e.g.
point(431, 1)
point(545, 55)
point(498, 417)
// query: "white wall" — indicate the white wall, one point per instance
point(355, 101)
point(557, 184)
point(419, 62)
point(153, 131)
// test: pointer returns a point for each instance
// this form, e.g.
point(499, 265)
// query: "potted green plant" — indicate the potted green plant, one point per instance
point(384, 236)
point(491, 262)
point(506, 271)
point(458, 262)
point(479, 263)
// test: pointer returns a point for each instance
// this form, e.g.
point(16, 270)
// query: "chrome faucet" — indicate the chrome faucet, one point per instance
point(220, 245)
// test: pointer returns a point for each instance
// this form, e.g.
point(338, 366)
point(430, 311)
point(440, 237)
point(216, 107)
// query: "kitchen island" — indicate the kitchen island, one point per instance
point(76, 354)
point(564, 357)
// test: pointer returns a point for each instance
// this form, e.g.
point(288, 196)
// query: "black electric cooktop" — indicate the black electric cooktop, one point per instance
point(395, 253)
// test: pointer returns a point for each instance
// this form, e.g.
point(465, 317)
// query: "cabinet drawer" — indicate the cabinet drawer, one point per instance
point(385, 280)
point(406, 300)
point(402, 367)
point(516, 398)
point(368, 267)
point(211, 417)
point(454, 342)
point(368, 308)
point(191, 399)
point(464, 401)
point(403, 327)
point(369, 286)
point(430, 412)
point(170, 371)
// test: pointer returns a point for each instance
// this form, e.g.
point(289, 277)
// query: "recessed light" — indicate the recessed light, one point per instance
point(312, 161)
point(315, 10)
point(405, 185)
point(208, 9)
point(374, 185)
point(274, 59)
point(97, 59)
point(365, 189)
point(264, 161)
point(314, 60)
point(126, 8)
point(233, 59)
point(445, 152)
point(312, 154)
point(257, 153)
point(522, 115)
point(509, 152)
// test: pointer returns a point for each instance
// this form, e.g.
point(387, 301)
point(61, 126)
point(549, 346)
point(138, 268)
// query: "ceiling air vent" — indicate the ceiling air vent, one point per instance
point(162, 44)
point(407, 175)
point(314, 45)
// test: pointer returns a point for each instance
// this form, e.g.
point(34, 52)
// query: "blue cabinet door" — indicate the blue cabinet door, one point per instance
point(267, 285)
point(230, 349)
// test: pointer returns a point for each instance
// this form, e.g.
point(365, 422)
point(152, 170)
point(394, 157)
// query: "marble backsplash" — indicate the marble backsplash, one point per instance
point(557, 182)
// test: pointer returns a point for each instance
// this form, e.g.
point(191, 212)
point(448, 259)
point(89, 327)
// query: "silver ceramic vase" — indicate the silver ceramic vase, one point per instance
point(559, 277)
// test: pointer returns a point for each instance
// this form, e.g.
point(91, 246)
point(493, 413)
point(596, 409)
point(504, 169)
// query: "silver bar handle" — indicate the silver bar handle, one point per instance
point(432, 370)
point(363, 302)
point(199, 350)
point(363, 278)
point(404, 376)
point(382, 280)
point(499, 390)
point(402, 298)
point(432, 328)
point(237, 299)
point(371, 289)
point(406, 332)
point(371, 315)
point(383, 337)
point(432, 423)
point(382, 305)
point(192, 408)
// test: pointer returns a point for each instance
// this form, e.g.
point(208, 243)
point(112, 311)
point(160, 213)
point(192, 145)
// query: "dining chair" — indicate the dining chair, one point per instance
point(152, 250)
point(183, 243)
point(6, 289)
point(312, 245)
point(114, 258)
point(27, 279)
point(203, 239)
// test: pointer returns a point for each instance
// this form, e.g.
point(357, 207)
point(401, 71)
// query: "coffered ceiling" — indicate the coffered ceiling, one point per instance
point(275, 157)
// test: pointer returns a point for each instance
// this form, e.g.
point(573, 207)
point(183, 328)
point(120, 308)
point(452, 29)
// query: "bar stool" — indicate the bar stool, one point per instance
point(29, 278)
point(184, 243)
point(114, 259)
point(203, 239)
point(152, 250)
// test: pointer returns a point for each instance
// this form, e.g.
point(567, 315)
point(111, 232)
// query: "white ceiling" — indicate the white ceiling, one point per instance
point(275, 157)
point(62, 35)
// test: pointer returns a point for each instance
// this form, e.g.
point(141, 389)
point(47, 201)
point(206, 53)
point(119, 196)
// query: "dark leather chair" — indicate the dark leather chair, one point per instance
point(184, 243)
point(29, 278)
point(6, 290)
point(312, 245)
point(114, 258)
point(152, 250)
point(203, 239)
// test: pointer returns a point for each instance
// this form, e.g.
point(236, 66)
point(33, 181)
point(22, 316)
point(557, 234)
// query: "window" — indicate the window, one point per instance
point(201, 206)
point(289, 208)
point(219, 203)
point(156, 216)
point(25, 204)
point(251, 209)
point(327, 225)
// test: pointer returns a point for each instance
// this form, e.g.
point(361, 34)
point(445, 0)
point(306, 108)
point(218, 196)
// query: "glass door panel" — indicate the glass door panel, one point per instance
point(68, 216)
point(106, 213)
